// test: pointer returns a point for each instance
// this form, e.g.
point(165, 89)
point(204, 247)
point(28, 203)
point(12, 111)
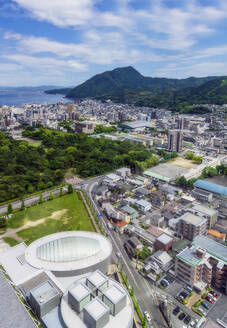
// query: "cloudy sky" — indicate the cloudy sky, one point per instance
point(64, 42)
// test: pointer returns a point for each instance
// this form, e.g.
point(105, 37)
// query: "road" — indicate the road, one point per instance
point(143, 289)
point(30, 200)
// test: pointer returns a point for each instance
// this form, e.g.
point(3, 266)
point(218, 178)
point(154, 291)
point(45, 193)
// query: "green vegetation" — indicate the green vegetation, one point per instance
point(105, 129)
point(11, 241)
point(89, 156)
point(2, 221)
point(166, 156)
point(193, 157)
point(145, 253)
point(61, 214)
point(25, 169)
point(66, 125)
point(184, 183)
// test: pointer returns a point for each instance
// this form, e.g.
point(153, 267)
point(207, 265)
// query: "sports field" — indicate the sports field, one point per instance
point(183, 162)
point(61, 214)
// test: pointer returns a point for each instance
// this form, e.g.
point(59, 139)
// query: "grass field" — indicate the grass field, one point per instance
point(61, 214)
point(183, 162)
point(11, 241)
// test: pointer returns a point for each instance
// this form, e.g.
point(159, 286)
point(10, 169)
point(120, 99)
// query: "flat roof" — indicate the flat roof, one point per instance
point(165, 239)
point(143, 202)
point(18, 270)
point(80, 291)
point(44, 292)
point(97, 278)
point(204, 209)
point(193, 219)
point(212, 247)
point(114, 293)
point(12, 312)
point(96, 308)
point(188, 256)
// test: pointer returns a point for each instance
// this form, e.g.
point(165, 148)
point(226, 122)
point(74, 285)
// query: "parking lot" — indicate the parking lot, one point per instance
point(219, 310)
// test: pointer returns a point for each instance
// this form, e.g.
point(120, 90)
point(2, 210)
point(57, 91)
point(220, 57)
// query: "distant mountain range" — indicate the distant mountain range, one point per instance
point(127, 85)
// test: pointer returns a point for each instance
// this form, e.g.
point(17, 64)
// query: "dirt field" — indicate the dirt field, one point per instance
point(182, 162)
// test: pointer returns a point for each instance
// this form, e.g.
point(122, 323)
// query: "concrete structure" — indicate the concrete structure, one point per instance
point(44, 298)
point(111, 307)
point(190, 226)
point(175, 140)
point(202, 195)
point(206, 212)
point(164, 242)
point(216, 189)
point(135, 126)
point(144, 206)
point(124, 172)
point(84, 127)
point(70, 253)
point(205, 261)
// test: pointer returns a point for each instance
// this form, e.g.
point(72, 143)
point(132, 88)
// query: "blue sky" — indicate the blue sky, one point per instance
point(64, 42)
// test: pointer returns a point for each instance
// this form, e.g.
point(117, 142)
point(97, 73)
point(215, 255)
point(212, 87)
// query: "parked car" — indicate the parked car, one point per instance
point(209, 299)
point(192, 324)
point(188, 288)
point(201, 310)
point(205, 305)
point(147, 316)
point(118, 254)
point(187, 319)
point(181, 316)
point(176, 310)
point(214, 294)
point(164, 283)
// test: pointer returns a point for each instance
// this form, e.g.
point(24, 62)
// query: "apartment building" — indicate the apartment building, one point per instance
point(190, 226)
point(203, 263)
point(206, 212)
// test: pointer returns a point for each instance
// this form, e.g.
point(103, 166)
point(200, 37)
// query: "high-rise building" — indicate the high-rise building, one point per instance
point(175, 140)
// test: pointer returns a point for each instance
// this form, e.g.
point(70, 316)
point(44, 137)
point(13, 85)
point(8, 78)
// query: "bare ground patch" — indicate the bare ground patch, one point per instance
point(183, 162)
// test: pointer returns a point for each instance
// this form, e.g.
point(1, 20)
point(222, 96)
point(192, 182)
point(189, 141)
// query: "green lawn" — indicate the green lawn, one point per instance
point(61, 214)
point(11, 241)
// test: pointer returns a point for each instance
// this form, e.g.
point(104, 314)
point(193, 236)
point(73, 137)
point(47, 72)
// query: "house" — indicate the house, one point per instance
point(142, 192)
point(163, 259)
point(135, 243)
point(143, 205)
point(157, 198)
point(206, 212)
point(124, 172)
point(130, 211)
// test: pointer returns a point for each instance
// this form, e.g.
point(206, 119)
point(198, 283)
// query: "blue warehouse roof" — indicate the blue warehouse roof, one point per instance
point(210, 186)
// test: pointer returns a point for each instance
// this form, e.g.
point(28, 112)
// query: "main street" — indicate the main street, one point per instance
point(144, 291)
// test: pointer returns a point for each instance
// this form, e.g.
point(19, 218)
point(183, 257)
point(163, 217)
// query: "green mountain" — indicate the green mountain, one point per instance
point(211, 92)
point(113, 82)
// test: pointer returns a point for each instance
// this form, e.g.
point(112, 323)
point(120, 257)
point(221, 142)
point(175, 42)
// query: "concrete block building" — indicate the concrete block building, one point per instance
point(190, 226)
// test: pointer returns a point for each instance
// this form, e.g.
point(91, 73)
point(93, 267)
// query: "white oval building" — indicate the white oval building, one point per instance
point(70, 253)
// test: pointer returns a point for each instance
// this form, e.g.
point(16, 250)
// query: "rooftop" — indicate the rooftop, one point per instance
point(80, 291)
point(114, 293)
point(188, 256)
point(210, 186)
point(212, 247)
point(165, 239)
point(193, 219)
point(204, 209)
point(44, 292)
point(12, 311)
point(96, 308)
point(97, 278)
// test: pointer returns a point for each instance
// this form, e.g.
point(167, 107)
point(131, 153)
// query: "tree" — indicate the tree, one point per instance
point(10, 209)
point(41, 198)
point(61, 192)
point(70, 188)
point(22, 207)
point(2, 221)
point(51, 197)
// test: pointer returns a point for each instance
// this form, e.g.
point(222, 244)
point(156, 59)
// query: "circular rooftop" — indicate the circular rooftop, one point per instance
point(69, 251)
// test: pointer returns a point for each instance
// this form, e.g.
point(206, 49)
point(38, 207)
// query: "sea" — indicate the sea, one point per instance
point(18, 97)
